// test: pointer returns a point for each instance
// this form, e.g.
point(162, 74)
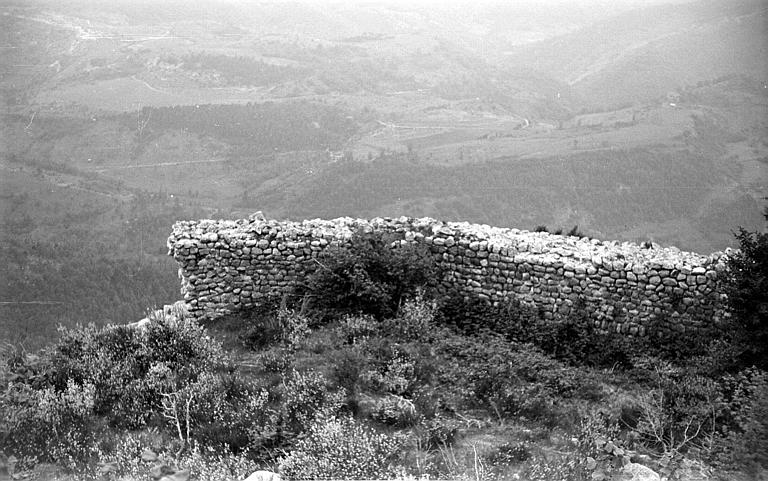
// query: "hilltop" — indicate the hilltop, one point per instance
point(362, 372)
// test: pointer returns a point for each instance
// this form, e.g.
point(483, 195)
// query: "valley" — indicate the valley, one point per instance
point(117, 121)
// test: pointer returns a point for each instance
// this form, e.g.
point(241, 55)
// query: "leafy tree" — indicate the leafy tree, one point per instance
point(371, 275)
point(747, 289)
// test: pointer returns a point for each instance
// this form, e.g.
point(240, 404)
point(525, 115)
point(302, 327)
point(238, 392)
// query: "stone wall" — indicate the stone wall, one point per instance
point(226, 265)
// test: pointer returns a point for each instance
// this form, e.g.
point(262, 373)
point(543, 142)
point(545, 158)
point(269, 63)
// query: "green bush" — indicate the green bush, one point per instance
point(574, 338)
point(679, 410)
point(294, 327)
point(48, 425)
point(597, 453)
point(509, 378)
point(371, 274)
point(135, 457)
point(746, 283)
point(398, 368)
point(53, 403)
point(341, 448)
point(306, 396)
point(348, 365)
point(355, 328)
point(261, 333)
point(207, 465)
point(745, 434)
point(225, 410)
point(438, 432)
point(123, 363)
point(277, 359)
point(394, 410)
point(415, 321)
point(509, 454)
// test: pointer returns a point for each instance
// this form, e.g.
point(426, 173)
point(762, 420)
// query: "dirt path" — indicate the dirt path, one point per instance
point(161, 164)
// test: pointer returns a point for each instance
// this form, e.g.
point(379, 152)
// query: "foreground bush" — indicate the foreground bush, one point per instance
point(131, 368)
point(54, 404)
point(745, 432)
point(48, 425)
point(679, 411)
point(307, 397)
point(341, 448)
point(134, 457)
point(508, 378)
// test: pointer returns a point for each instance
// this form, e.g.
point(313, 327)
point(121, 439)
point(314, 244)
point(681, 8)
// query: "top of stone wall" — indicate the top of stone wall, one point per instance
point(505, 241)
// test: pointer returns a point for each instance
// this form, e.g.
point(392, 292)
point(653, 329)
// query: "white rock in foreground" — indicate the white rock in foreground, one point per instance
point(263, 476)
point(640, 472)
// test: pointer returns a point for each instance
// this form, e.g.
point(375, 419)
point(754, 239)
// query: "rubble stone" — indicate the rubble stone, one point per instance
point(226, 264)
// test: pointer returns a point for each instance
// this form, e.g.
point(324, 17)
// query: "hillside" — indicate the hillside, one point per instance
point(363, 371)
point(633, 120)
point(642, 55)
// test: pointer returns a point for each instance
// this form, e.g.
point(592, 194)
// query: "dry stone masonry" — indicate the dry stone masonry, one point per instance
point(226, 265)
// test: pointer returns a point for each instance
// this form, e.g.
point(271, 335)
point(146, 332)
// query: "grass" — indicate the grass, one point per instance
point(458, 406)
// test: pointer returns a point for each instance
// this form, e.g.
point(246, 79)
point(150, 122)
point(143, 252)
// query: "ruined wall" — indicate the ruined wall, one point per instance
point(226, 265)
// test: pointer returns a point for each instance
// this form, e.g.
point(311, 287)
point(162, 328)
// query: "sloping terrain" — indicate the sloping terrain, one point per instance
point(633, 120)
point(644, 54)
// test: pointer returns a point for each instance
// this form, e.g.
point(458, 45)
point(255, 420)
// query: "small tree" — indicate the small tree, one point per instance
point(371, 275)
point(747, 289)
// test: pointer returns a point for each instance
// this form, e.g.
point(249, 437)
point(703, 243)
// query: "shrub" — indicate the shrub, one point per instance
point(398, 368)
point(396, 376)
point(48, 425)
point(294, 327)
point(134, 458)
point(394, 410)
point(348, 365)
point(509, 454)
point(357, 328)
point(223, 410)
point(575, 232)
point(267, 324)
point(209, 465)
point(597, 454)
point(305, 397)
point(574, 338)
point(277, 360)
point(438, 432)
point(745, 439)
point(262, 333)
point(340, 448)
point(415, 320)
point(370, 275)
point(124, 457)
point(747, 288)
point(680, 410)
point(509, 378)
point(123, 364)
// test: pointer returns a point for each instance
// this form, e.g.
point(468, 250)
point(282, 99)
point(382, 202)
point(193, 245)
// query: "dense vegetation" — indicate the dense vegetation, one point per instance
point(387, 381)
point(362, 372)
point(748, 296)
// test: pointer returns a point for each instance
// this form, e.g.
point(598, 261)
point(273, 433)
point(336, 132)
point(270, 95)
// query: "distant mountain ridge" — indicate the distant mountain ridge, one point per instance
point(640, 55)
